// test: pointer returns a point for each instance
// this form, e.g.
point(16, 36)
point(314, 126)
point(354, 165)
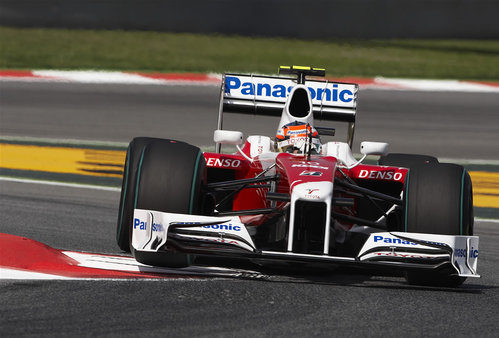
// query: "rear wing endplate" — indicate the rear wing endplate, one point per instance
point(267, 95)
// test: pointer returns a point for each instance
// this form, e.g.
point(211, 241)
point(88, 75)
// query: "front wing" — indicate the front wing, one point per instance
point(228, 236)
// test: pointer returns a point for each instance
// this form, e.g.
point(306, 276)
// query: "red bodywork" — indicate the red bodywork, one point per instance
point(294, 169)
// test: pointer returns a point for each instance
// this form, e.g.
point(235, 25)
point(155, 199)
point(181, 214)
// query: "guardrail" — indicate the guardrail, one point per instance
point(312, 19)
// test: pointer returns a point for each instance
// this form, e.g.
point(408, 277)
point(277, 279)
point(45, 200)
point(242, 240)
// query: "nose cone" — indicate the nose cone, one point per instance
point(298, 107)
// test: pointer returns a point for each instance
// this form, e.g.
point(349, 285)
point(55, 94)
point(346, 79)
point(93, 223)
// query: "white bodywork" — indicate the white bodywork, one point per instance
point(260, 145)
point(151, 229)
point(228, 137)
point(276, 91)
point(341, 151)
point(463, 250)
point(316, 192)
point(373, 148)
point(286, 116)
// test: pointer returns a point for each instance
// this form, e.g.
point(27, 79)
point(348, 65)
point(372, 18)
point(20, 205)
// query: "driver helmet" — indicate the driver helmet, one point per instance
point(294, 137)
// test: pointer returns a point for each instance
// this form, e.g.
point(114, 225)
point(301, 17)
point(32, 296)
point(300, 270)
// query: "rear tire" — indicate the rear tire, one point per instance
point(406, 160)
point(438, 200)
point(169, 179)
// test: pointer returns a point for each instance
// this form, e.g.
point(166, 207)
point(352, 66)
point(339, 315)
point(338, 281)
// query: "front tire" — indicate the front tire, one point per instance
point(169, 179)
point(162, 175)
point(127, 197)
point(438, 200)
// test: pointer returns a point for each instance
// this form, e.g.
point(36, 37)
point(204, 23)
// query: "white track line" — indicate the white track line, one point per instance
point(491, 220)
point(57, 141)
point(60, 184)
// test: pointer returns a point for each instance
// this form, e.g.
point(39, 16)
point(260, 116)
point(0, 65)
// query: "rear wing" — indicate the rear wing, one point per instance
point(267, 95)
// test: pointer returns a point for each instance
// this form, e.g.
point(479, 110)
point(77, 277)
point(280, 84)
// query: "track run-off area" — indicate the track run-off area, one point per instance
point(40, 159)
point(61, 154)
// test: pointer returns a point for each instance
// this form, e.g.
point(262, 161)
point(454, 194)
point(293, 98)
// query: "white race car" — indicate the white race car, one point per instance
point(295, 199)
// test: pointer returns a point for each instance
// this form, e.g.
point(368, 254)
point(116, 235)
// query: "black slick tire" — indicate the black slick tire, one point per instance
point(127, 198)
point(438, 200)
point(170, 175)
point(406, 160)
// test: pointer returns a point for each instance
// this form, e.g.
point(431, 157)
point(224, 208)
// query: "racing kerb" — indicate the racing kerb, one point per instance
point(137, 78)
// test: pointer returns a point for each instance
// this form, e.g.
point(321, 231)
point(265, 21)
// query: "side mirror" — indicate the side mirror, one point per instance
point(228, 137)
point(374, 148)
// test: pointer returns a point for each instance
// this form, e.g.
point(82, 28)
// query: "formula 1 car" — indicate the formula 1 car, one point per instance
point(295, 200)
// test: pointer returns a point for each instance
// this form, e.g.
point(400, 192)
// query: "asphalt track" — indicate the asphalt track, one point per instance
point(325, 305)
point(444, 124)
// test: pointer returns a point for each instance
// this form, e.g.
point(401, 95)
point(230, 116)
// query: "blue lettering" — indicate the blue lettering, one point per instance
point(231, 82)
point(473, 253)
point(335, 92)
point(312, 92)
point(138, 223)
point(279, 91)
point(390, 240)
point(262, 86)
point(223, 227)
point(248, 89)
point(157, 227)
point(321, 92)
point(462, 253)
point(345, 92)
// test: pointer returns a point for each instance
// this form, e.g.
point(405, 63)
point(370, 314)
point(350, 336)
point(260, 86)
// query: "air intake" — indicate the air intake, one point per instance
point(299, 105)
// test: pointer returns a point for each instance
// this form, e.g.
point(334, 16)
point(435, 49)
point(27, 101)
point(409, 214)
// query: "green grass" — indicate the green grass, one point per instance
point(168, 52)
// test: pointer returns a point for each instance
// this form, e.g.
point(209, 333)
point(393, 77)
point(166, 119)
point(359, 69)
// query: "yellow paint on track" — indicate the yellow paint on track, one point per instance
point(93, 162)
point(109, 163)
point(485, 189)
